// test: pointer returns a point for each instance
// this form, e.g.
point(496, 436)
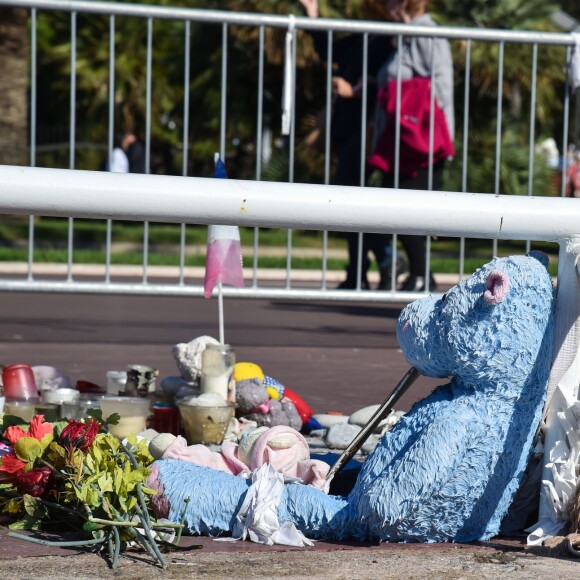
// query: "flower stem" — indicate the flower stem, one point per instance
point(117, 548)
point(182, 521)
point(64, 544)
point(150, 537)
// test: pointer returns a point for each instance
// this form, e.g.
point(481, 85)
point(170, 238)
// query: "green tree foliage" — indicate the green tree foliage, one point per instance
point(204, 86)
point(516, 94)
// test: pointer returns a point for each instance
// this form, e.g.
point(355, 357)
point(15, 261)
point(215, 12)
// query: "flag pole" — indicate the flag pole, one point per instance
point(223, 261)
point(221, 312)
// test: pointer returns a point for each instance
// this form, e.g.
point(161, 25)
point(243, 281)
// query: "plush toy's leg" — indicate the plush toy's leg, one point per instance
point(315, 514)
point(215, 498)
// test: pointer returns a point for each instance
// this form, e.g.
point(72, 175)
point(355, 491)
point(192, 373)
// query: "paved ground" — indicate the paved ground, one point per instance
point(338, 356)
point(499, 559)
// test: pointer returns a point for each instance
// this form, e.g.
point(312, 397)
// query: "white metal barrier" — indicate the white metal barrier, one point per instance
point(81, 194)
point(320, 287)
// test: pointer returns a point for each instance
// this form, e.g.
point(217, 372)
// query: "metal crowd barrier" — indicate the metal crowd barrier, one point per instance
point(321, 286)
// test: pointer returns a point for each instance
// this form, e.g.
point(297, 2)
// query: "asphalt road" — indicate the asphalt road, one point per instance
point(337, 356)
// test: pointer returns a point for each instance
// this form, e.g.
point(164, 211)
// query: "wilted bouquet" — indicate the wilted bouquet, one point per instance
point(76, 474)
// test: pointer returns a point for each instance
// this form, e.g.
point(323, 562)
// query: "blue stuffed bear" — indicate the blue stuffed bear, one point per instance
point(449, 469)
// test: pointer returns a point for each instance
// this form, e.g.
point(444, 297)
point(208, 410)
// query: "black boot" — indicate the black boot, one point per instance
point(385, 272)
point(385, 280)
point(350, 283)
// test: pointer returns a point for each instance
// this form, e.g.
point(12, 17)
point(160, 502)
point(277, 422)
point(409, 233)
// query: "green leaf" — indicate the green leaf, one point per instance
point(105, 483)
point(28, 449)
point(113, 419)
point(91, 527)
point(34, 507)
point(58, 427)
point(26, 523)
point(96, 454)
point(107, 508)
point(12, 420)
point(96, 414)
point(131, 502)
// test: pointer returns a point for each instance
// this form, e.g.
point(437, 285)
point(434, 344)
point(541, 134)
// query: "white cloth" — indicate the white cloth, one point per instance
point(258, 516)
point(119, 161)
point(559, 490)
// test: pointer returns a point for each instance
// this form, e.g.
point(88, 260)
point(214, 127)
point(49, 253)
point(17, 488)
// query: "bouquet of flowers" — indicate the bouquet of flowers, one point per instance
point(76, 474)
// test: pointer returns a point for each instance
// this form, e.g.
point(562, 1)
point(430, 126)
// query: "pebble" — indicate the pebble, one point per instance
point(340, 435)
point(327, 420)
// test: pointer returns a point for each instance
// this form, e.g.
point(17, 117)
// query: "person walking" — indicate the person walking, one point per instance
point(418, 55)
point(346, 129)
point(135, 152)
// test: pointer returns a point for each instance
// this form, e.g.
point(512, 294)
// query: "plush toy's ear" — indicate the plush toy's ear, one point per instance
point(542, 257)
point(497, 286)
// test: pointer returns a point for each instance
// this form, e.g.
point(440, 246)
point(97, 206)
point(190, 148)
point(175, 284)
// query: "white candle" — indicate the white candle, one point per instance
point(216, 384)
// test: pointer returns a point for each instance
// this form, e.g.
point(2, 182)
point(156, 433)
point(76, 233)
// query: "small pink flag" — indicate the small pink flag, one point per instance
point(224, 251)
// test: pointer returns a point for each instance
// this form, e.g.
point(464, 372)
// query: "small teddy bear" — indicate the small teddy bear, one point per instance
point(187, 356)
point(266, 401)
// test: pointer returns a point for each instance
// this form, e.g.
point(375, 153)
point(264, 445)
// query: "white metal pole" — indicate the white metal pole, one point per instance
point(221, 312)
point(177, 199)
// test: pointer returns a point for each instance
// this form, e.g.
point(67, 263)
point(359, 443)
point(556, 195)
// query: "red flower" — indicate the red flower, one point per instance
point(11, 464)
point(38, 429)
point(14, 433)
point(79, 435)
point(35, 482)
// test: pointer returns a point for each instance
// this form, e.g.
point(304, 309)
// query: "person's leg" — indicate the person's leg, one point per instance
point(352, 239)
point(348, 173)
point(415, 246)
point(378, 244)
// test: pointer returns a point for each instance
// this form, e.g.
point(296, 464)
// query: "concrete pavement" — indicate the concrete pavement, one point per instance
point(338, 356)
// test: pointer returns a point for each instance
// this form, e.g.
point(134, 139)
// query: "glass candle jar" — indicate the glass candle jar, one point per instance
point(19, 383)
point(217, 371)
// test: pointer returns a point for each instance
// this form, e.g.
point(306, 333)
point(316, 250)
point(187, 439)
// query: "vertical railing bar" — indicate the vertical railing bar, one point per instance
point(430, 170)
point(566, 121)
point(72, 129)
point(363, 112)
point(33, 96)
point(260, 109)
point(328, 112)
point(33, 56)
point(363, 131)
point(186, 73)
point(259, 145)
point(324, 258)
point(397, 156)
point(109, 231)
point(149, 60)
point(147, 138)
point(292, 143)
point(431, 119)
point(327, 139)
point(498, 127)
point(532, 128)
point(72, 96)
point(224, 91)
point(465, 145)
point(398, 112)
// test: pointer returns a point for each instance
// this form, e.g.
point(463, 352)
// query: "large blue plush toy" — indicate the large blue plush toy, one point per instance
point(449, 469)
